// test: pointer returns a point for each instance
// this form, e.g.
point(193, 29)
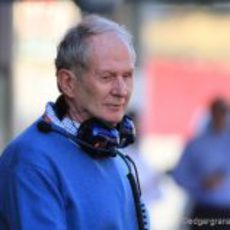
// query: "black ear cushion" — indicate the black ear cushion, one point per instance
point(98, 138)
point(94, 130)
point(93, 122)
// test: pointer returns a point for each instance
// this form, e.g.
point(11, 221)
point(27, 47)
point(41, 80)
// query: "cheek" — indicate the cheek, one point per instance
point(94, 93)
point(100, 91)
point(130, 88)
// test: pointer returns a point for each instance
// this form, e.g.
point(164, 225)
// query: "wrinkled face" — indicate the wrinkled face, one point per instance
point(105, 89)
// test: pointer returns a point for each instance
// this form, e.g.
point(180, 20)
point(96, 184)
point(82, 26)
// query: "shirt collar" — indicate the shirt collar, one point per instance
point(66, 123)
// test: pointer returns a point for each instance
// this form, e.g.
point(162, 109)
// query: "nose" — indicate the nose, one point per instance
point(120, 87)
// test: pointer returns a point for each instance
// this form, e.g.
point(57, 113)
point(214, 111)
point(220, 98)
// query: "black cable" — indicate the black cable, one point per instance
point(136, 173)
point(135, 187)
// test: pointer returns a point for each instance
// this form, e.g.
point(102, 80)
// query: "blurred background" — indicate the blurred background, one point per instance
point(183, 49)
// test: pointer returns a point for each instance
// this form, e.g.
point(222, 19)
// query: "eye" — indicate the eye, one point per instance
point(128, 75)
point(107, 77)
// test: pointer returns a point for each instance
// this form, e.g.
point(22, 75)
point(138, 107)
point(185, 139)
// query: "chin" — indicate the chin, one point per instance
point(113, 119)
point(108, 115)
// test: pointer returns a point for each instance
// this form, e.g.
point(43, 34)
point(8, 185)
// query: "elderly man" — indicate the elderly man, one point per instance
point(65, 170)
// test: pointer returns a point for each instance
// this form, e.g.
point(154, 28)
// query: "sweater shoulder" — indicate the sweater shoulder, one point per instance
point(30, 147)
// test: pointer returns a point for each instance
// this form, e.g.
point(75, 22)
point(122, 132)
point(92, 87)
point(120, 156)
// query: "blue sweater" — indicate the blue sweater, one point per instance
point(48, 183)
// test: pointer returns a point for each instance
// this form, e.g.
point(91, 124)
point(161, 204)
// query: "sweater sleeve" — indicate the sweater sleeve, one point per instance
point(32, 200)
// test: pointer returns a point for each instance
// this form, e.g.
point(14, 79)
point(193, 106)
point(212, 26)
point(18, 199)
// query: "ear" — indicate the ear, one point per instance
point(66, 82)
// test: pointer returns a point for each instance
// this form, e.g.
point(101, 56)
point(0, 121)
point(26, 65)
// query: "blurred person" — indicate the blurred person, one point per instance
point(65, 170)
point(204, 171)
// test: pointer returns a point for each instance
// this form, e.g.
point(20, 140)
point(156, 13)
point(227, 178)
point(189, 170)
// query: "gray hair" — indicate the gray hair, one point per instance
point(73, 50)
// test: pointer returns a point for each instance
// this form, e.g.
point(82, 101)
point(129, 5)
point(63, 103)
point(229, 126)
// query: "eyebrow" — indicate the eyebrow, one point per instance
point(131, 70)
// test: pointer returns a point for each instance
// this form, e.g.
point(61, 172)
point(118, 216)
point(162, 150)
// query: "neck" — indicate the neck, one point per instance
point(76, 114)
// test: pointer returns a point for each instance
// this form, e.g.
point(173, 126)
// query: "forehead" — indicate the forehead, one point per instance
point(108, 49)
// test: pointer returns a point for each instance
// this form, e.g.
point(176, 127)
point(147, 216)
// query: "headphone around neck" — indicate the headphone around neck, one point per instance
point(97, 138)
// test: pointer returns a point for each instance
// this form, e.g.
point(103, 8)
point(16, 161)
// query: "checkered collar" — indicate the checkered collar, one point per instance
point(66, 123)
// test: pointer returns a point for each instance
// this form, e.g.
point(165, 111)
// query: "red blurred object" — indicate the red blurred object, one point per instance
point(178, 90)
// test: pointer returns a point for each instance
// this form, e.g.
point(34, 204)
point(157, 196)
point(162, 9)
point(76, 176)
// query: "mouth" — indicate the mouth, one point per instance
point(115, 106)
